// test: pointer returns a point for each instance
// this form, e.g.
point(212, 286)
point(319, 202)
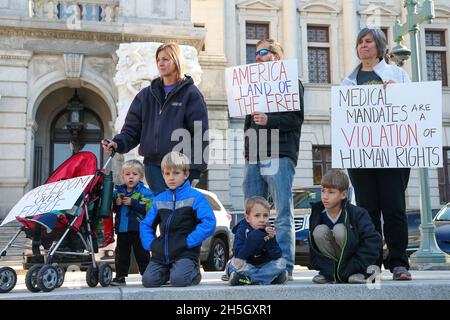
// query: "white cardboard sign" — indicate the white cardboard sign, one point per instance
point(400, 127)
point(265, 87)
point(60, 195)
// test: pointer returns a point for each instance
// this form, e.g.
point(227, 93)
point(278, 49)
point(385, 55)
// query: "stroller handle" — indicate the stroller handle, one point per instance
point(113, 153)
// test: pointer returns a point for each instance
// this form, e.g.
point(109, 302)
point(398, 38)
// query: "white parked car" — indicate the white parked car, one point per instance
point(216, 250)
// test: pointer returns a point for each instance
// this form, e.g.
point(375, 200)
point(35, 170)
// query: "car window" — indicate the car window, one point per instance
point(213, 203)
point(303, 198)
point(444, 214)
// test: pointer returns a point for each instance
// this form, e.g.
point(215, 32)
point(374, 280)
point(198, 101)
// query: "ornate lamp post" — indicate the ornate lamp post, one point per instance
point(75, 120)
point(429, 255)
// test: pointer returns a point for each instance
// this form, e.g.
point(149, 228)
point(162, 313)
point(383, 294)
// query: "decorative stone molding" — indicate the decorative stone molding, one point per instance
point(319, 7)
point(18, 182)
point(442, 14)
point(209, 61)
point(15, 58)
point(73, 63)
point(257, 5)
point(377, 10)
point(119, 37)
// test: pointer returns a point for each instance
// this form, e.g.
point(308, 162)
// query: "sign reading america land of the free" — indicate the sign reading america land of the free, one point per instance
point(266, 87)
point(396, 127)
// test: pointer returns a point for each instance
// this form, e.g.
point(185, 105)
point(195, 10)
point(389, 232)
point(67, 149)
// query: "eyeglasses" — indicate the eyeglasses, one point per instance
point(263, 52)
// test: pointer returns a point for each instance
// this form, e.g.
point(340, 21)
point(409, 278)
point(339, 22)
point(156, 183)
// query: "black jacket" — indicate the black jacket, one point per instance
point(289, 125)
point(361, 249)
point(152, 118)
point(254, 245)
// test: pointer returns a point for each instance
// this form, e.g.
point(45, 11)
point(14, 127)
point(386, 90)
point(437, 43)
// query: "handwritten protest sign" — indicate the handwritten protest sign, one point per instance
point(60, 195)
point(400, 127)
point(266, 87)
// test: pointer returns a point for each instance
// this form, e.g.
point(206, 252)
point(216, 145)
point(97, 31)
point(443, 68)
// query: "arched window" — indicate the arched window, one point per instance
point(64, 144)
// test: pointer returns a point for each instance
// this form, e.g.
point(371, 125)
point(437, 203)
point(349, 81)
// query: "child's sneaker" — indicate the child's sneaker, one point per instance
point(237, 279)
point(320, 279)
point(282, 278)
point(401, 273)
point(197, 279)
point(357, 278)
point(118, 282)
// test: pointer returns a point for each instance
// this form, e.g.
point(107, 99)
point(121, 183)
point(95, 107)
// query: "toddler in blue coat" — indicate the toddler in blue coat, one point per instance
point(257, 255)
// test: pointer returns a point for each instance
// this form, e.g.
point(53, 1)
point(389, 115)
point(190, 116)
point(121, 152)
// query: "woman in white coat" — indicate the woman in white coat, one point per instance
point(382, 190)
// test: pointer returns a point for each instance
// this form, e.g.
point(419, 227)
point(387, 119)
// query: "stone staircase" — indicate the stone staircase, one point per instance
point(13, 255)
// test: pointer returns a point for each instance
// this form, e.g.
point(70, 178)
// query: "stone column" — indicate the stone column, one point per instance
point(14, 141)
point(290, 29)
point(231, 51)
point(349, 34)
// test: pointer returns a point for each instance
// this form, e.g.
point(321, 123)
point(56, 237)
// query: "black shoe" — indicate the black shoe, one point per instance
point(118, 282)
point(197, 279)
point(225, 277)
point(282, 278)
point(401, 273)
point(237, 279)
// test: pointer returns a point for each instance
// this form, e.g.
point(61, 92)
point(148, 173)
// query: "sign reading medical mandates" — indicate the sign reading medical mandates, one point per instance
point(55, 196)
point(400, 127)
point(265, 87)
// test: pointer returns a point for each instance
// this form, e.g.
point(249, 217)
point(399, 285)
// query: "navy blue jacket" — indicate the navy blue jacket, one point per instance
point(185, 220)
point(152, 118)
point(128, 217)
point(361, 248)
point(254, 245)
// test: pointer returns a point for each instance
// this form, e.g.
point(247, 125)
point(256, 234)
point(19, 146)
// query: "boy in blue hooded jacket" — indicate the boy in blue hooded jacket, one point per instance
point(185, 219)
point(131, 201)
point(257, 255)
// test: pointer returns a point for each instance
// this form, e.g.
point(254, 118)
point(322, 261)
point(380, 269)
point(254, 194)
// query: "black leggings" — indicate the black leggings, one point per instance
point(382, 191)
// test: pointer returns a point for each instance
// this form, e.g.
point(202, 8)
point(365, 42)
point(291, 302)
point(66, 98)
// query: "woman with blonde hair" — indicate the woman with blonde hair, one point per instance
point(171, 102)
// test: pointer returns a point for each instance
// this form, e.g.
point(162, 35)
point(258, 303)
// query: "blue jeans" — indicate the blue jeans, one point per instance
point(263, 274)
point(275, 176)
point(154, 178)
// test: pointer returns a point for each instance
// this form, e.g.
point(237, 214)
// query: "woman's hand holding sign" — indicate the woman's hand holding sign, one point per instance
point(260, 118)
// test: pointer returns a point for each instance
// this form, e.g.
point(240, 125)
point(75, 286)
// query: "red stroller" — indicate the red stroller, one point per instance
point(68, 234)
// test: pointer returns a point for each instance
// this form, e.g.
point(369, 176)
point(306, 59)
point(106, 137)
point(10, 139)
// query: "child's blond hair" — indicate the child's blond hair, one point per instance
point(134, 164)
point(175, 160)
point(336, 179)
point(252, 201)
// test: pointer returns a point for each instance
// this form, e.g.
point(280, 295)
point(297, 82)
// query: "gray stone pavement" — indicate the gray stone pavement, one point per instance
point(427, 285)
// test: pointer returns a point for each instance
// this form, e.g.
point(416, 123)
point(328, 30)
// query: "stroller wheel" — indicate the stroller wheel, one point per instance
point(31, 278)
point(61, 275)
point(47, 278)
point(105, 274)
point(8, 279)
point(92, 276)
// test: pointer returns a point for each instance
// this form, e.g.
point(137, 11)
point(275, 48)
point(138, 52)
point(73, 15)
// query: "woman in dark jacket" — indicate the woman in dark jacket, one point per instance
point(171, 105)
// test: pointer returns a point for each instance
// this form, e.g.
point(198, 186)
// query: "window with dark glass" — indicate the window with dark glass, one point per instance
point(436, 56)
point(321, 162)
point(64, 144)
point(253, 33)
point(318, 55)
